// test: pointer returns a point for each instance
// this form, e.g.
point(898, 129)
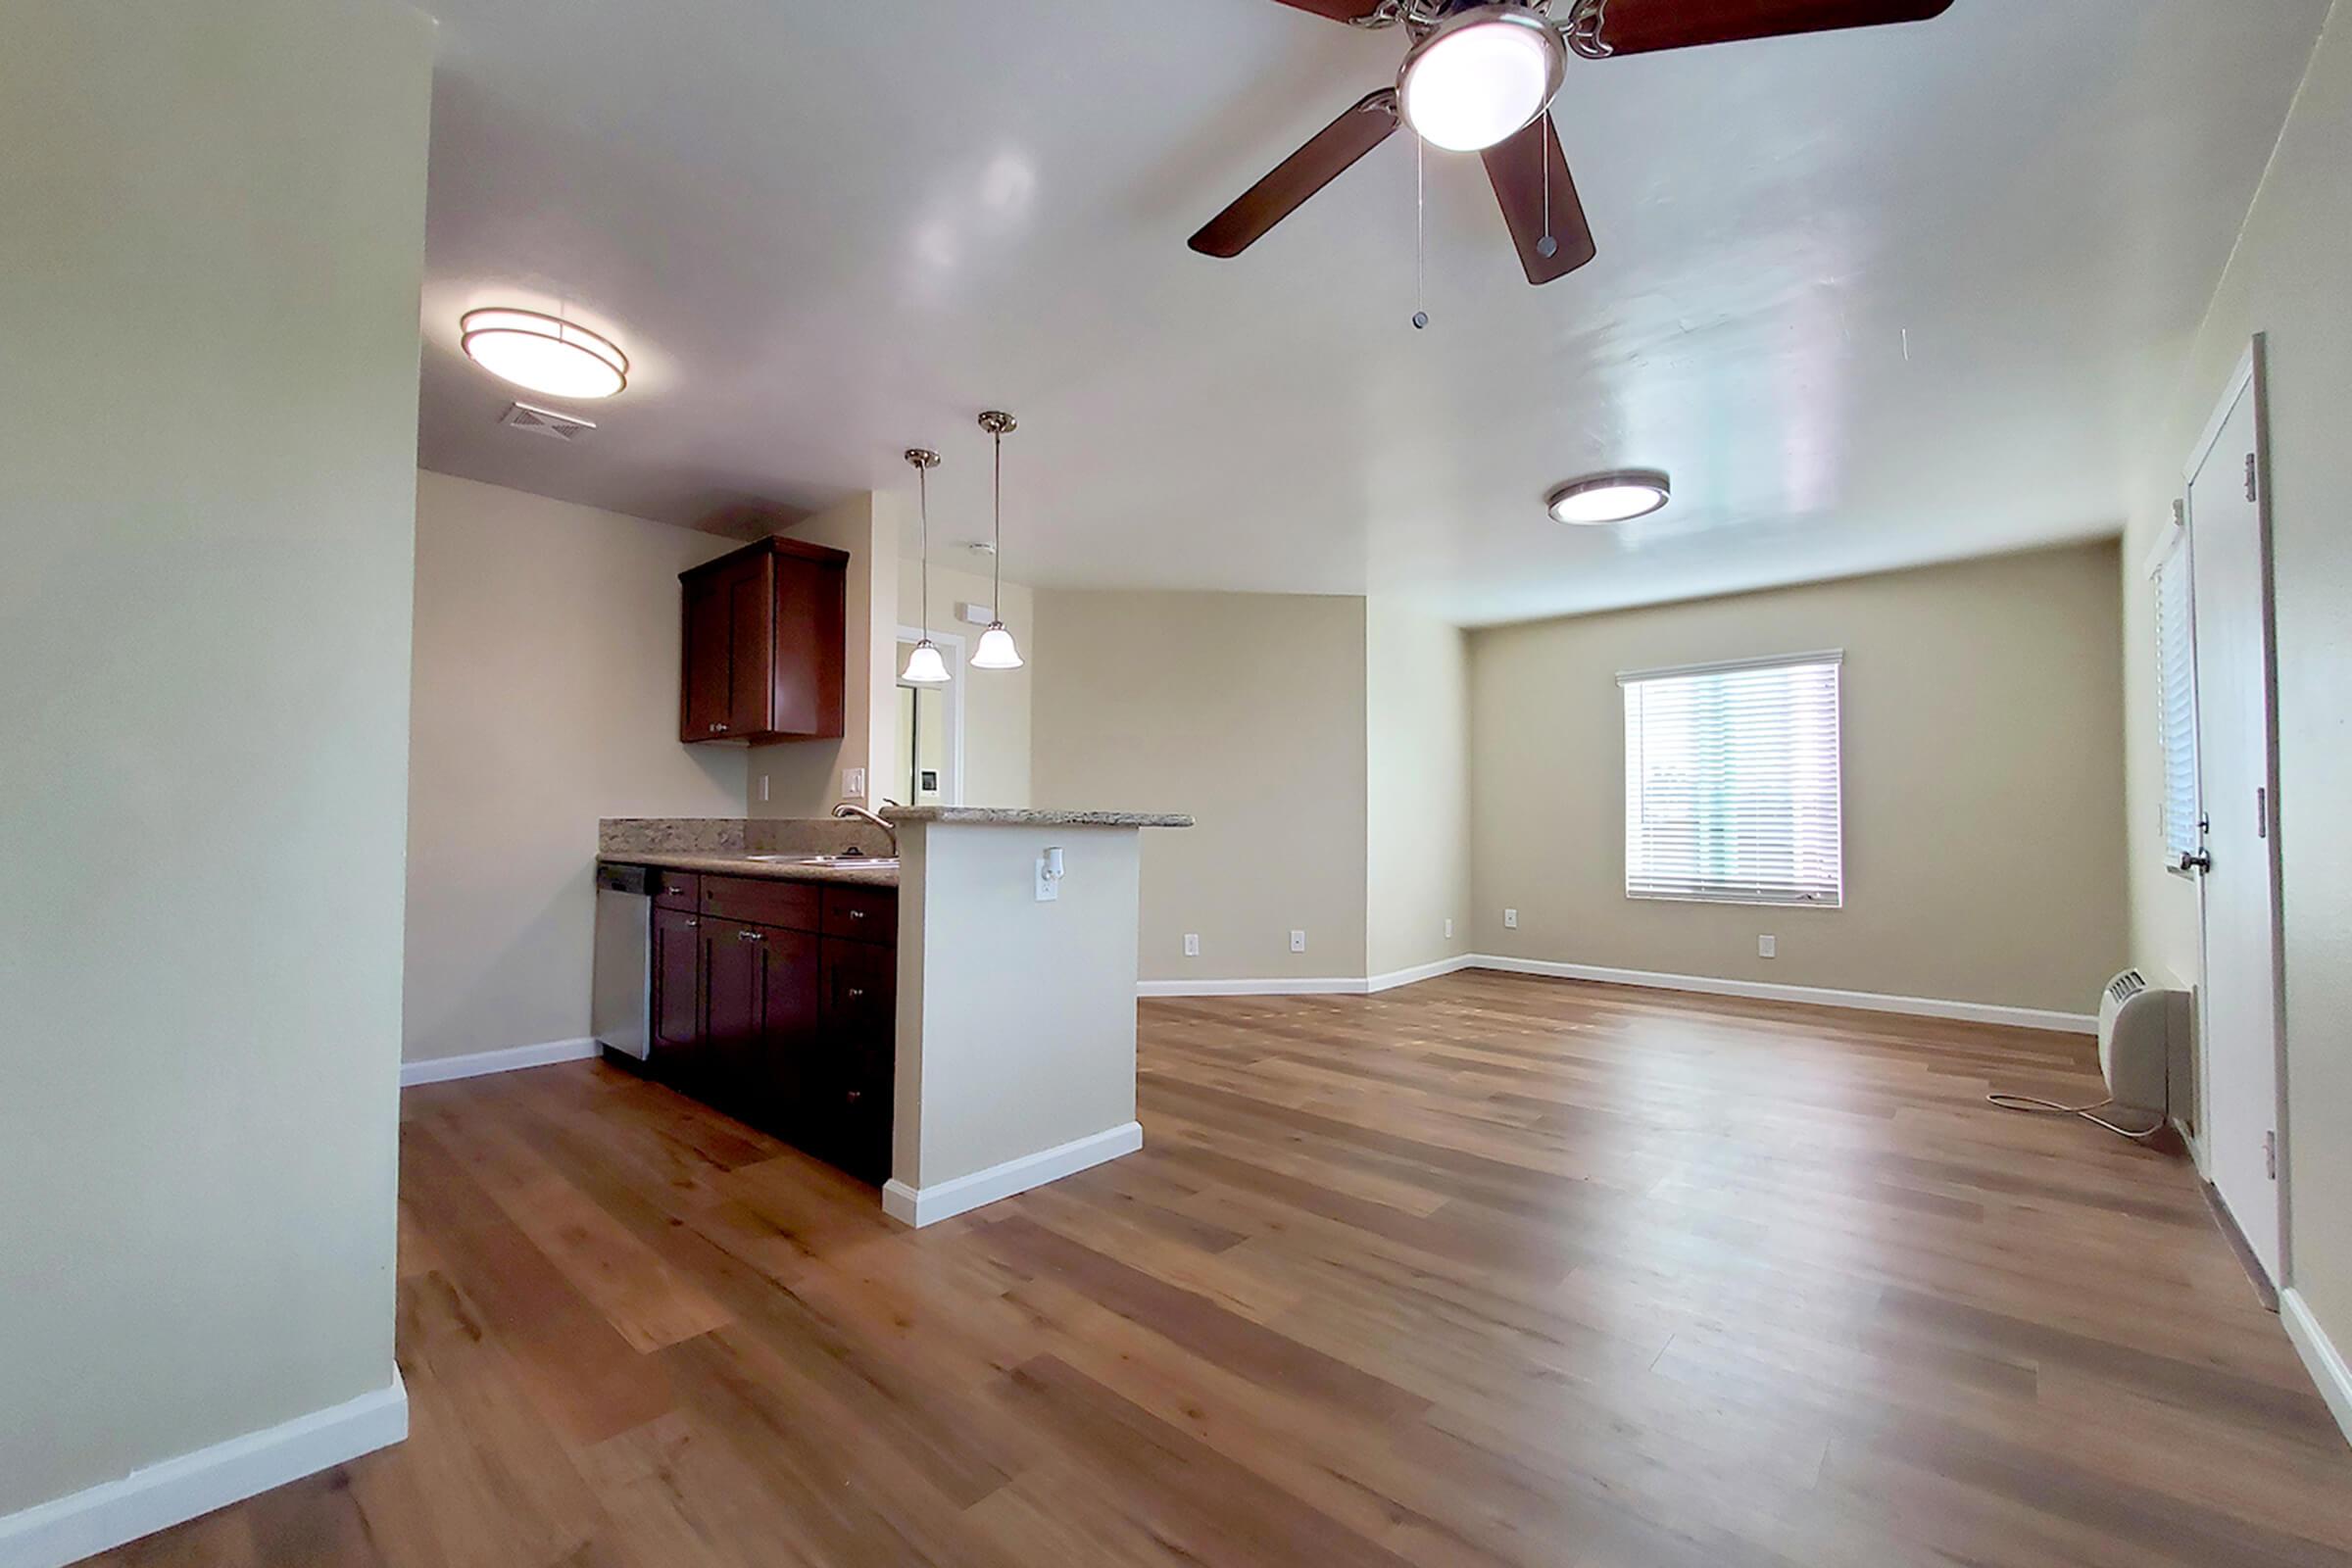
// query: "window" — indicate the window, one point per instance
point(2176, 702)
point(1732, 783)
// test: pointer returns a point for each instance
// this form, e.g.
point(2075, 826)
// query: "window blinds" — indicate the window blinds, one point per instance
point(1732, 786)
point(2177, 703)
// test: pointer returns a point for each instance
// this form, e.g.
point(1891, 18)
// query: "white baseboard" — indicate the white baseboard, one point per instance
point(441, 1069)
point(1818, 996)
point(1418, 973)
point(928, 1206)
point(68, 1528)
point(2320, 1356)
point(1331, 986)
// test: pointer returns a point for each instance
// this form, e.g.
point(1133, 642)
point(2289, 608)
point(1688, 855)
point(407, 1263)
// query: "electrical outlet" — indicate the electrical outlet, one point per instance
point(763, 789)
point(1298, 942)
point(1449, 930)
point(1768, 947)
point(1510, 919)
point(853, 783)
point(1191, 944)
point(1049, 881)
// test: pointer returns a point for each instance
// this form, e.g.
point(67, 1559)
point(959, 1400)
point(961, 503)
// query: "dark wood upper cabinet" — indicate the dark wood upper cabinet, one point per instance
point(765, 629)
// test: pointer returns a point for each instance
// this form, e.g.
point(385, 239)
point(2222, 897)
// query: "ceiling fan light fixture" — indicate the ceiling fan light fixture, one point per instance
point(544, 353)
point(1619, 496)
point(1480, 76)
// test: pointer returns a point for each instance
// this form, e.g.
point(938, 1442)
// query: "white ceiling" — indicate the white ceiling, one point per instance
point(825, 231)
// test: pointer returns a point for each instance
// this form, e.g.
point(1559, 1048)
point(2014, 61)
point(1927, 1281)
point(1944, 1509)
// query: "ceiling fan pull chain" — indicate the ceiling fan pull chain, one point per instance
point(1420, 285)
point(1548, 246)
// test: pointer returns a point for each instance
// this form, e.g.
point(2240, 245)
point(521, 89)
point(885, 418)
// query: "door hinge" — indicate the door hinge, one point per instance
point(2269, 1154)
point(2251, 494)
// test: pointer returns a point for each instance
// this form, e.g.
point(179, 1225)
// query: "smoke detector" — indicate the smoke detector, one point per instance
point(530, 417)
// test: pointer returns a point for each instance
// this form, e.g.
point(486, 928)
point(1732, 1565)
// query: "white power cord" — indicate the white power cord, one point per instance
point(2051, 1107)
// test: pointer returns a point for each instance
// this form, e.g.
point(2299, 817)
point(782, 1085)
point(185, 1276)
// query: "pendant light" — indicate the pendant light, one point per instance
point(996, 650)
point(924, 666)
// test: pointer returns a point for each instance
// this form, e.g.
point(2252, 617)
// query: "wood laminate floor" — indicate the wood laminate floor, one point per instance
point(1490, 1270)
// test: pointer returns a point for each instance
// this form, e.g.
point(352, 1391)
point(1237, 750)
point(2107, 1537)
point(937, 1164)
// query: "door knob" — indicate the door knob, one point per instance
point(2195, 860)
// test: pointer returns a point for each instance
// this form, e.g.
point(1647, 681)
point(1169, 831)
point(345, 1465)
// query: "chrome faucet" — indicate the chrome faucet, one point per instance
point(851, 808)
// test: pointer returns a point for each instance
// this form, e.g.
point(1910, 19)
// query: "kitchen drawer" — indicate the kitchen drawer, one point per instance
point(857, 994)
point(676, 889)
point(862, 915)
point(757, 901)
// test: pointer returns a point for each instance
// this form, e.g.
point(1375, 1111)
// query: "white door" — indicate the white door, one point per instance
point(2238, 1023)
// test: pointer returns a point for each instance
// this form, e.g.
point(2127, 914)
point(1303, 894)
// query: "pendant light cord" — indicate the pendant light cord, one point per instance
point(922, 486)
point(996, 555)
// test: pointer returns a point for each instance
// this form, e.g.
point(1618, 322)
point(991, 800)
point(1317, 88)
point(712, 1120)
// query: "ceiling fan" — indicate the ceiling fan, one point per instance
point(1480, 76)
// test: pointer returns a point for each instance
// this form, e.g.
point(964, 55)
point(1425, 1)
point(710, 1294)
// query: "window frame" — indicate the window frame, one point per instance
point(1628, 679)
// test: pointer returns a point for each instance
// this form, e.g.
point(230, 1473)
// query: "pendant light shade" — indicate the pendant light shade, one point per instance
point(924, 666)
point(996, 650)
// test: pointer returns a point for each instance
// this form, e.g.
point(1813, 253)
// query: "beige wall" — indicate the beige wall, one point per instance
point(1417, 789)
point(546, 697)
point(209, 274)
point(804, 778)
point(1983, 780)
point(2287, 278)
point(997, 702)
point(1245, 710)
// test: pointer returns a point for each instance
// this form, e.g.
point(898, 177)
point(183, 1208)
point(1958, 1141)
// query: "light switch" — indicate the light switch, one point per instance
point(1191, 944)
point(853, 783)
point(1768, 947)
point(1449, 930)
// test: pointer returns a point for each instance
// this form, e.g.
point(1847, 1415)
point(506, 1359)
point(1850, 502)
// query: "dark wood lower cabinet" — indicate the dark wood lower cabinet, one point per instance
point(775, 1023)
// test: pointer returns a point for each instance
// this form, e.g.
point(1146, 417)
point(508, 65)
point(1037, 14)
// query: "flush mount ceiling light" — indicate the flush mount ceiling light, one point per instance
point(924, 666)
point(1619, 496)
point(1480, 76)
point(544, 353)
point(996, 650)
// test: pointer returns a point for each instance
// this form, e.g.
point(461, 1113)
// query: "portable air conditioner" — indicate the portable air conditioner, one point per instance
point(2144, 1036)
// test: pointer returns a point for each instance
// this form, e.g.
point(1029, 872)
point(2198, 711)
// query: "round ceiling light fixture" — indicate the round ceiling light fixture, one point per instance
point(543, 353)
point(1480, 76)
point(1618, 496)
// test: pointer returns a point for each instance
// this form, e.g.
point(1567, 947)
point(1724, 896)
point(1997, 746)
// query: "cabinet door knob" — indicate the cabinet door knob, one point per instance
point(691, 924)
point(855, 992)
point(856, 1094)
point(857, 914)
point(747, 935)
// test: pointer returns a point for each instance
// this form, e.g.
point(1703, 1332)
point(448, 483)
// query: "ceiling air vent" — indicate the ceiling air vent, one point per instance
point(544, 422)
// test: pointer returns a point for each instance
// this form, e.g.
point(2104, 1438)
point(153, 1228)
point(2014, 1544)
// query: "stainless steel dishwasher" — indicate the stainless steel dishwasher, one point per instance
point(620, 1002)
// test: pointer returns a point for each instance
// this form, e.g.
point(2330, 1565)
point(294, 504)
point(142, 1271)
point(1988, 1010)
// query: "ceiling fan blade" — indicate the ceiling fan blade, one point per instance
point(1527, 194)
point(1325, 156)
point(1338, 10)
point(1644, 27)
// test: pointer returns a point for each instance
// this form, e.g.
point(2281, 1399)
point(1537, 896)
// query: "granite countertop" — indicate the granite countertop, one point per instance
point(1017, 816)
point(738, 864)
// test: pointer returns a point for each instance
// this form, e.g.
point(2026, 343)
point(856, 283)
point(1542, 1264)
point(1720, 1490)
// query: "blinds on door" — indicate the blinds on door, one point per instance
point(1732, 785)
point(2176, 702)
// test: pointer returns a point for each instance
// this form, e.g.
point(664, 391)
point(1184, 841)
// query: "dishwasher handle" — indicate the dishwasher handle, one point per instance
point(634, 880)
